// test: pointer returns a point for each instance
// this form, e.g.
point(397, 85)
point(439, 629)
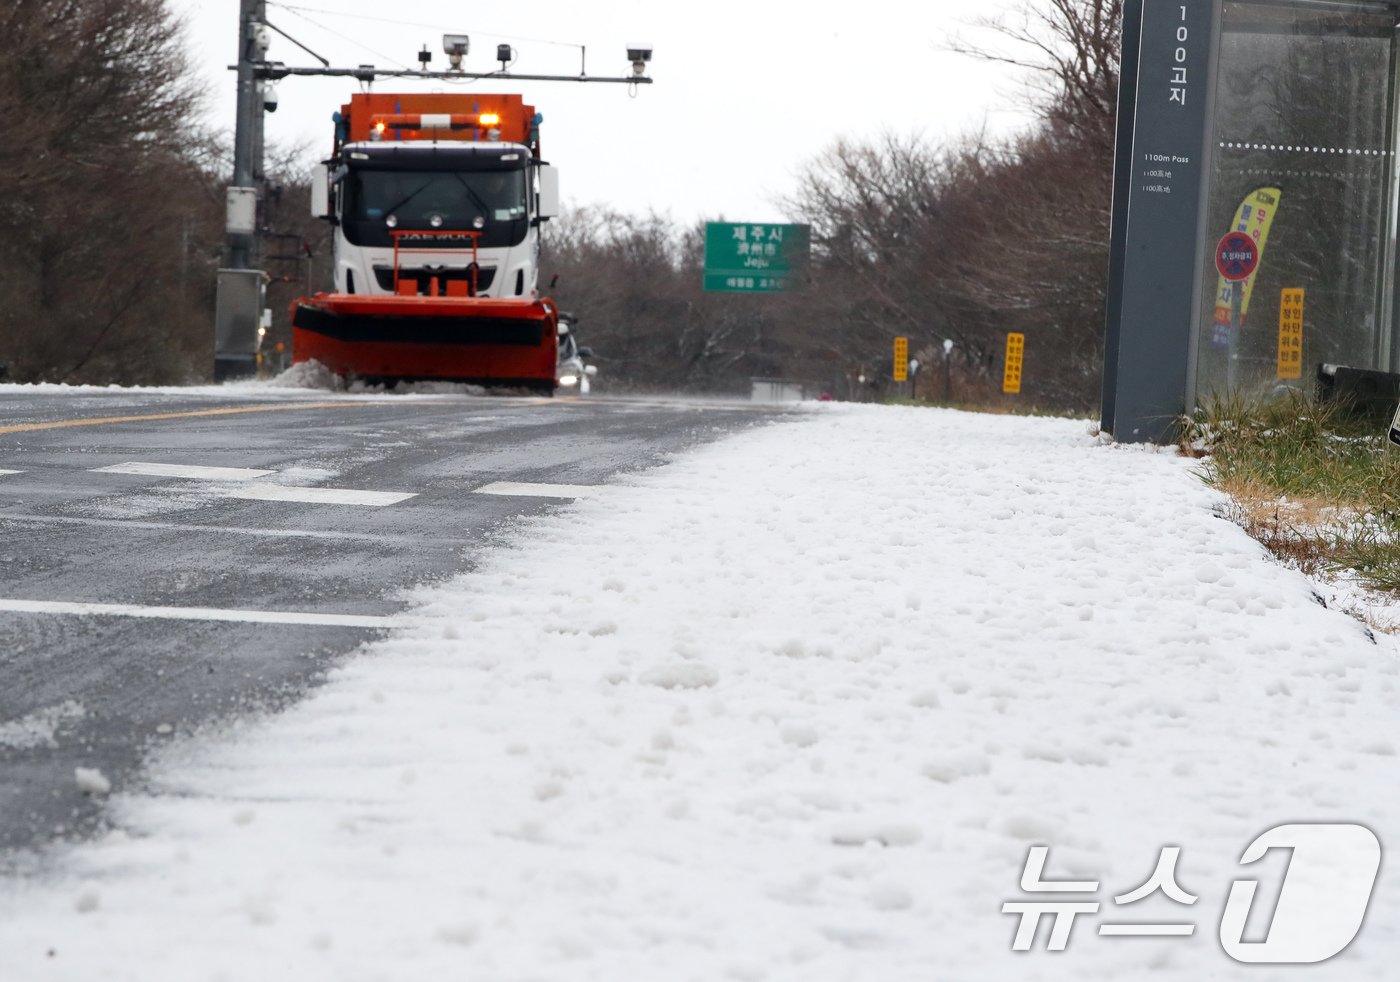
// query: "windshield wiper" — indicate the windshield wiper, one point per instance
point(411, 195)
point(485, 210)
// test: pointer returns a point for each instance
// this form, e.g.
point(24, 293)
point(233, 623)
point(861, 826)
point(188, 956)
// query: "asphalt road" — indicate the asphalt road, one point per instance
point(143, 596)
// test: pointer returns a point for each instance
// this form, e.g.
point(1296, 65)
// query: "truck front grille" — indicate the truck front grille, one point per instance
point(384, 276)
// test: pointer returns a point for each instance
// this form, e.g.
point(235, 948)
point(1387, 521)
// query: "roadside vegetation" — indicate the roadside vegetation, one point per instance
point(1317, 485)
point(113, 229)
point(963, 240)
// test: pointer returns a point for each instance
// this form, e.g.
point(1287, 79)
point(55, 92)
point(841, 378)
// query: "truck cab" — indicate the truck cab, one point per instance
point(429, 219)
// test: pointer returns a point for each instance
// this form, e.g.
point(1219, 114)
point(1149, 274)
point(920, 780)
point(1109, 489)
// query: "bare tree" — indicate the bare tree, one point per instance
point(636, 285)
point(114, 209)
point(967, 242)
point(1072, 50)
point(972, 241)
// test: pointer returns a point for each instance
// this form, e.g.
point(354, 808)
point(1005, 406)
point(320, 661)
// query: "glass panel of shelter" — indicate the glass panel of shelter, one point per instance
point(1304, 162)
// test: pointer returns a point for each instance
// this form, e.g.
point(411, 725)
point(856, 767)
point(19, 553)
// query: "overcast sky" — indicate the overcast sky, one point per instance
point(745, 93)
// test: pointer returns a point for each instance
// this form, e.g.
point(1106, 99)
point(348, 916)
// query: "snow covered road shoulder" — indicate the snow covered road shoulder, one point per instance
point(795, 706)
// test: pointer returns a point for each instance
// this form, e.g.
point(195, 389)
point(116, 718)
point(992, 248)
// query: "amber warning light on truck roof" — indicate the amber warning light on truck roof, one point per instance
point(437, 121)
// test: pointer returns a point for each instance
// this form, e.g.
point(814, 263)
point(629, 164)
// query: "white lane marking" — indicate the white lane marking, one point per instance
point(3, 472)
point(196, 614)
point(318, 496)
point(188, 471)
point(265, 533)
point(258, 492)
point(542, 490)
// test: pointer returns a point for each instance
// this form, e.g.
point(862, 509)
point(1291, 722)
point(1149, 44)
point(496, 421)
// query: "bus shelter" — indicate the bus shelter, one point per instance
point(1255, 203)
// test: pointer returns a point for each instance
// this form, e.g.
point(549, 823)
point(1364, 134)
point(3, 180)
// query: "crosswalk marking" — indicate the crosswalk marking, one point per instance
point(196, 614)
point(541, 490)
point(187, 471)
point(318, 496)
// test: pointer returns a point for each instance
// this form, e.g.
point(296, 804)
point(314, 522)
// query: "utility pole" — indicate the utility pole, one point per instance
point(240, 293)
point(248, 126)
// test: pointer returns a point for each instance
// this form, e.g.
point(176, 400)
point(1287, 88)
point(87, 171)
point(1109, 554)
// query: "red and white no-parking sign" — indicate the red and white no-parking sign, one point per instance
point(1237, 256)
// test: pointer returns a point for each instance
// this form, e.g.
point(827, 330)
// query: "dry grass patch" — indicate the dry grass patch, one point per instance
point(1293, 529)
point(1319, 490)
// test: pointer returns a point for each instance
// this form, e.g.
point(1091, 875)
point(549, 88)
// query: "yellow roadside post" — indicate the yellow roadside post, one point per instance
point(1015, 354)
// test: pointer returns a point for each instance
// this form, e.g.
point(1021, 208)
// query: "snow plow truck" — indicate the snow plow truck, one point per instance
point(437, 201)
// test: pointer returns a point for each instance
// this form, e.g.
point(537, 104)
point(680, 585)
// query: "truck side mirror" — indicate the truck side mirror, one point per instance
point(320, 191)
point(549, 192)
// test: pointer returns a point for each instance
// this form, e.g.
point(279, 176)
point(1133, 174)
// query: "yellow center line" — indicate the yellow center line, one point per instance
point(233, 411)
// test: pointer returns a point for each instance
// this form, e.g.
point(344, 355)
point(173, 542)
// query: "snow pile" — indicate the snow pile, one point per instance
point(794, 707)
point(90, 780)
point(425, 388)
point(314, 375)
point(41, 728)
point(304, 375)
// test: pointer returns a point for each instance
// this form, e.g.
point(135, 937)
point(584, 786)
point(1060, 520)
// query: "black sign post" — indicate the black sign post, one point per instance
point(1156, 259)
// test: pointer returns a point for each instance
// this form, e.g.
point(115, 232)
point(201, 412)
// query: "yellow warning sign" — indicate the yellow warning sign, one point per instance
point(901, 359)
point(1015, 353)
point(1290, 333)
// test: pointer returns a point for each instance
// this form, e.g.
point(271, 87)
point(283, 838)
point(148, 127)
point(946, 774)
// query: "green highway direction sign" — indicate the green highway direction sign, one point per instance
point(755, 257)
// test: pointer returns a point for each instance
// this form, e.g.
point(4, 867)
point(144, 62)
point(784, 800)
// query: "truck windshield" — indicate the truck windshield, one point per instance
point(438, 199)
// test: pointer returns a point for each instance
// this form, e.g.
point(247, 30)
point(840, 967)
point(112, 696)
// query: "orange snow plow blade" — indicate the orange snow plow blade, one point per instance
point(481, 340)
